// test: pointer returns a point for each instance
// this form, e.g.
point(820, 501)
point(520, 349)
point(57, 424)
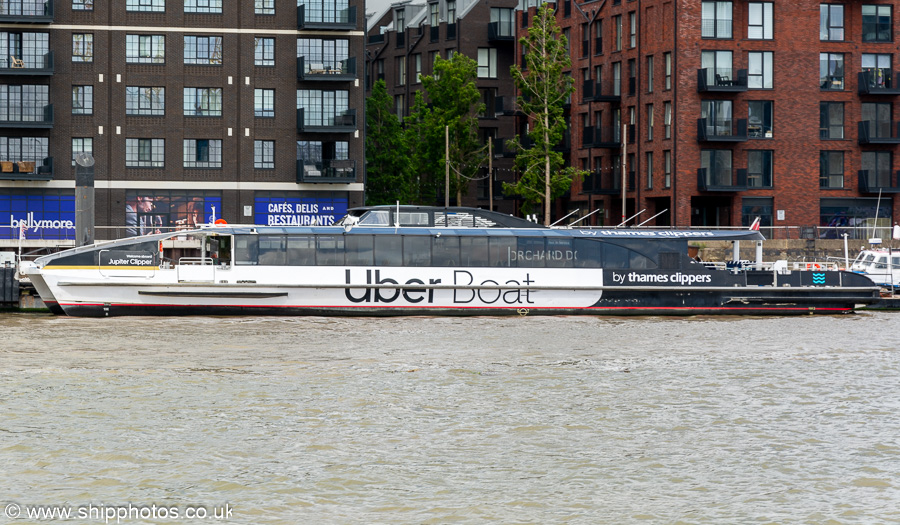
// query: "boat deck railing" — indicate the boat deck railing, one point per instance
point(196, 261)
point(815, 266)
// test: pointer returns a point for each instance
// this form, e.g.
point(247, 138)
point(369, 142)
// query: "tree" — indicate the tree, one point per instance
point(451, 99)
point(543, 90)
point(388, 168)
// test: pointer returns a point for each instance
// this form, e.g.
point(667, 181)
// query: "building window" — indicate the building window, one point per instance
point(831, 169)
point(140, 100)
point(417, 67)
point(264, 7)
point(876, 23)
point(650, 74)
point(145, 153)
point(82, 145)
point(203, 50)
point(878, 69)
point(632, 29)
point(82, 100)
point(24, 103)
point(202, 102)
point(717, 163)
point(617, 78)
point(759, 72)
point(401, 71)
point(877, 115)
point(82, 5)
point(831, 22)
point(831, 120)
point(585, 40)
point(487, 62)
point(202, 153)
point(323, 108)
point(649, 164)
point(667, 169)
point(598, 37)
point(158, 6)
point(649, 121)
point(264, 154)
point(202, 6)
point(321, 55)
point(264, 102)
point(759, 123)
point(82, 47)
point(718, 115)
point(617, 27)
point(451, 11)
point(145, 49)
point(759, 21)
point(716, 20)
point(489, 99)
point(668, 60)
point(667, 119)
point(264, 51)
point(877, 168)
point(718, 66)
point(831, 71)
point(759, 168)
point(399, 106)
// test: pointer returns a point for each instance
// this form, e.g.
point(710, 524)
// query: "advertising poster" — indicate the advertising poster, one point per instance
point(299, 211)
point(148, 212)
point(46, 214)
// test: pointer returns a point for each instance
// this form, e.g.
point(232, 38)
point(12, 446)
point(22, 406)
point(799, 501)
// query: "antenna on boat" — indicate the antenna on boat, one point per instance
point(585, 217)
point(564, 218)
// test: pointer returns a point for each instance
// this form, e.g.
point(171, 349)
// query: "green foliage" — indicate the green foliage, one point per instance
point(388, 167)
point(543, 90)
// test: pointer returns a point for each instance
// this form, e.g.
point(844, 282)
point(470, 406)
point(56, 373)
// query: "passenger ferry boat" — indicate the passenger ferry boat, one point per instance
point(386, 261)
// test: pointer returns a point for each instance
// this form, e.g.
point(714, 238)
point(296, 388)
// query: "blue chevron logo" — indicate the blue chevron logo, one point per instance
point(818, 278)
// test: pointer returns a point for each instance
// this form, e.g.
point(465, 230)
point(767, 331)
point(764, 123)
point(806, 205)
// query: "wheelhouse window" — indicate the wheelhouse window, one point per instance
point(831, 169)
point(716, 20)
point(759, 21)
point(876, 23)
point(264, 51)
point(831, 120)
point(264, 154)
point(203, 102)
point(202, 153)
point(205, 50)
point(82, 100)
point(831, 22)
point(831, 71)
point(759, 72)
point(145, 49)
point(202, 6)
point(759, 119)
point(759, 168)
point(264, 102)
point(156, 6)
point(145, 153)
point(82, 47)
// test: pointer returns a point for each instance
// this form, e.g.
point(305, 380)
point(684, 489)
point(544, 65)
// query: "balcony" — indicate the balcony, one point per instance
point(31, 65)
point(27, 11)
point(878, 133)
point(342, 122)
point(505, 106)
point(376, 39)
point(592, 91)
point(565, 145)
point(336, 71)
point(721, 80)
point(401, 39)
point(878, 183)
point(26, 170)
point(328, 171)
point(722, 180)
point(434, 33)
point(31, 117)
point(325, 16)
point(501, 32)
point(721, 131)
point(604, 137)
point(603, 183)
point(878, 82)
point(502, 151)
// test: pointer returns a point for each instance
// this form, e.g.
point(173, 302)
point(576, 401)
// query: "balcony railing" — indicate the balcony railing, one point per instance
point(338, 70)
point(400, 36)
point(721, 180)
point(878, 133)
point(324, 16)
point(603, 182)
point(451, 31)
point(343, 122)
point(721, 80)
point(37, 64)
point(331, 171)
point(31, 11)
point(878, 82)
point(26, 170)
point(42, 117)
point(593, 91)
point(605, 136)
point(376, 39)
point(885, 182)
point(501, 32)
point(435, 33)
point(721, 130)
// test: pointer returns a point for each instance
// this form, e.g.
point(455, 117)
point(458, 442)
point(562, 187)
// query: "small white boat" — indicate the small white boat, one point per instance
point(882, 265)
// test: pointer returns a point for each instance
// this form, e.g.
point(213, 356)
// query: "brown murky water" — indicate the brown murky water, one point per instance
point(423, 420)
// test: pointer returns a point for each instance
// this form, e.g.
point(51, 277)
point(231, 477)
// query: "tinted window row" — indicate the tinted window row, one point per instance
point(434, 251)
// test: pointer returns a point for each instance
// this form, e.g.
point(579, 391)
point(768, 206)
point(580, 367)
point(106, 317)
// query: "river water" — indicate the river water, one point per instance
point(443, 420)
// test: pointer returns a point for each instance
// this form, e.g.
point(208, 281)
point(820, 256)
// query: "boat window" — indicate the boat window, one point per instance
point(615, 256)
point(474, 251)
point(881, 262)
point(245, 249)
point(359, 249)
point(501, 251)
point(560, 253)
point(329, 250)
point(388, 250)
point(588, 253)
point(301, 250)
point(446, 251)
point(416, 250)
point(531, 252)
point(272, 250)
point(895, 262)
point(870, 258)
point(375, 218)
point(408, 218)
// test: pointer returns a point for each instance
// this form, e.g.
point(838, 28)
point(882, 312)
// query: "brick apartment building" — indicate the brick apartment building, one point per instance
point(153, 89)
point(733, 110)
point(403, 42)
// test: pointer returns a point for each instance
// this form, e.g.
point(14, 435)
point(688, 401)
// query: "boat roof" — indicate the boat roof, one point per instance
point(425, 216)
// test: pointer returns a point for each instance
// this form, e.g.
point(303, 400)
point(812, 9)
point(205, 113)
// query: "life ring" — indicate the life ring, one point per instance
point(813, 266)
point(221, 222)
